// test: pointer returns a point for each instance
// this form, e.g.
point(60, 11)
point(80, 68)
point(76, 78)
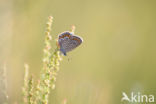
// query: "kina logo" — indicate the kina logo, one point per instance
point(137, 98)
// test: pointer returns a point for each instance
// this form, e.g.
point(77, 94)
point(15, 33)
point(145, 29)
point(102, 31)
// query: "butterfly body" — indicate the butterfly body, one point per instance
point(68, 41)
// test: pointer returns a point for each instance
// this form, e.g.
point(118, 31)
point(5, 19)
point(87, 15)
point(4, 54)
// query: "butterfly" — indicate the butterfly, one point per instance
point(67, 41)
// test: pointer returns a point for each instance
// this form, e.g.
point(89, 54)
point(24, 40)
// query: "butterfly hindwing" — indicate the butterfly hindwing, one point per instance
point(68, 42)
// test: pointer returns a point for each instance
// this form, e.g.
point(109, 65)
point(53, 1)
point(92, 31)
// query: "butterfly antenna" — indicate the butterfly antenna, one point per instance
point(69, 58)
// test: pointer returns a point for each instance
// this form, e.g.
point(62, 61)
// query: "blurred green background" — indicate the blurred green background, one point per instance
point(118, 53)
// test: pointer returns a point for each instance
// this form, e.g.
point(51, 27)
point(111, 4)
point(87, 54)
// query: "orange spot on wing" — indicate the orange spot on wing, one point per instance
point(65, 35)
point(77, 39)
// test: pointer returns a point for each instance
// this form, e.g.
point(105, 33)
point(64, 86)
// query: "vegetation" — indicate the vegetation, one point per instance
point(39, 93)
